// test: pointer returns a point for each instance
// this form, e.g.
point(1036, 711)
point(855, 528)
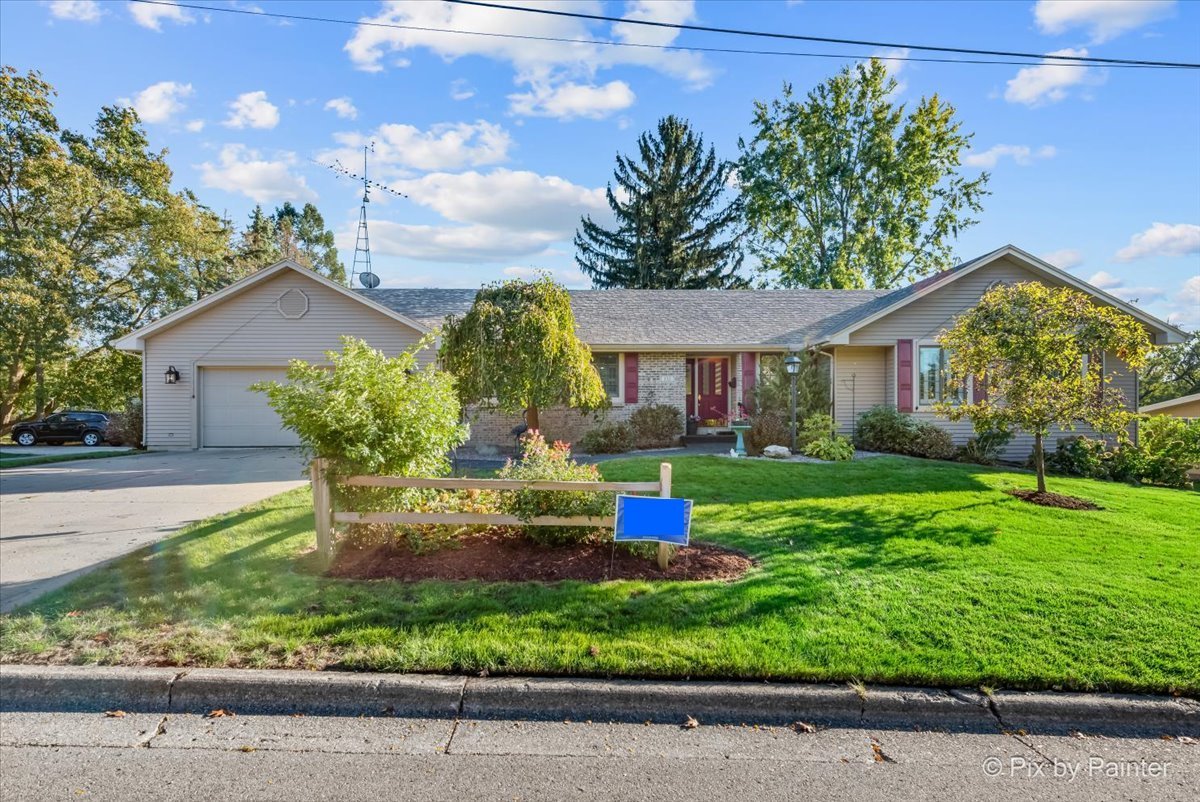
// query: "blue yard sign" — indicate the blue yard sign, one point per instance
point(666, 520)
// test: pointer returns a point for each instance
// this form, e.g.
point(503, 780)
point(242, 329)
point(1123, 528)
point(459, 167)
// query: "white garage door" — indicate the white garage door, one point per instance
point(233, 415)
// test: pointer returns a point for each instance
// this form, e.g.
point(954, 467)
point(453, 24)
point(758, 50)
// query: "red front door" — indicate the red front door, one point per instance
point(712, 390)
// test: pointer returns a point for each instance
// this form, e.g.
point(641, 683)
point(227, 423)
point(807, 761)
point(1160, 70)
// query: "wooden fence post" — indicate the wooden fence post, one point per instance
point(322, 509)
point(664, 480)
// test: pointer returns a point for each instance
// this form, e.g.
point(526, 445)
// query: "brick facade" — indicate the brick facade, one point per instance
point(661, 380)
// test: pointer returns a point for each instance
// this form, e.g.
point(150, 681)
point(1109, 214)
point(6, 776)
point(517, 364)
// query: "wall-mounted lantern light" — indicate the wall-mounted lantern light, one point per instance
point(172, 375)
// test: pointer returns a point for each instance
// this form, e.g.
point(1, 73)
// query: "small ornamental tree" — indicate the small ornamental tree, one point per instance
point(371, 414)
point(1039, 350)
point(516, 350)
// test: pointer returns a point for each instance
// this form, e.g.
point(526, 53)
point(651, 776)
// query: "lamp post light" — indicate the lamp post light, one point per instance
point(792, 365)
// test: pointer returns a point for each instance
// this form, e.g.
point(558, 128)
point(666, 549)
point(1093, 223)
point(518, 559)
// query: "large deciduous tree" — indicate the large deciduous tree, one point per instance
point(91, 239)
point(516, 350)
point(1041, 353)
point(1172, 371)
point(844, 189)
point(674, 226)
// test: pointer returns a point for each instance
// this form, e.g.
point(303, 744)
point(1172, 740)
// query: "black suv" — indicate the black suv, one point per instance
point(85, 426)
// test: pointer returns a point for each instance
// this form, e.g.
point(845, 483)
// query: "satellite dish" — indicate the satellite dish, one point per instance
point(368, 280)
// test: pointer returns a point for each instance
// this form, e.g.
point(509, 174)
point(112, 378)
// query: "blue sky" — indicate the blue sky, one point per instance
point(502, 144)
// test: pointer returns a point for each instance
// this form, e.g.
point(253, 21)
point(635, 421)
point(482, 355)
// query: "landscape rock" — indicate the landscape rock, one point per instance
point(776, 452)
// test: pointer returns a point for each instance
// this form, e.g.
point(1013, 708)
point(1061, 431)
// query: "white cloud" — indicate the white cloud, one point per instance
point(1117, 287)
point(466, 244)
point(343, 107)
point(369, 45)
point(567, 101)
point(1183, 308)
point(1103, 19)
point(1162, 239)
point(1023, 155)
point(444, 146)
point(569, 278)
point(151, 15)
point(461, 89)
point(195, 126)
point(671, 12)
point(244, 171)
point(513, 200)
point(1050, 81)
point(159, 102)
point(1064, 258)
point(77, 10)
point(492, 217)
point(253, 110)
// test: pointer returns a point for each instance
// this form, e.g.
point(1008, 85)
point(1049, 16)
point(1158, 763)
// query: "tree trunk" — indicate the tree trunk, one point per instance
point(531, 418)
point(1039, 462)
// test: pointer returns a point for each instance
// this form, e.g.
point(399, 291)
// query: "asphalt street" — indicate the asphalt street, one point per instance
point(56, 756)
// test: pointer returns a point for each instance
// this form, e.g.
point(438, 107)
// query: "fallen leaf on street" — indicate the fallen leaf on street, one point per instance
point(114, 713)
point(803, 726)
point(691, 723)
point(1186, 739)
point(248, 749)
point(220, 713)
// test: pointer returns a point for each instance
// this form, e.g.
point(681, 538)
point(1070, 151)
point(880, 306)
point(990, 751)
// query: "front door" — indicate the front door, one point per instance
point(712, 390)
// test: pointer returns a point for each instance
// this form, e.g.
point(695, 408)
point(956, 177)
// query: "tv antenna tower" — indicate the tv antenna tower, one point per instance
point(361, 268)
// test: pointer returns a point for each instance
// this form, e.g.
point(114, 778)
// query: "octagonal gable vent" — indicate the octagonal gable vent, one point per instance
point(293, 304)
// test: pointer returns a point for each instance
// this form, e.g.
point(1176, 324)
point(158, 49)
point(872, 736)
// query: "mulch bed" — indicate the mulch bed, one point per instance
point(1049, 499)
point(500, 557)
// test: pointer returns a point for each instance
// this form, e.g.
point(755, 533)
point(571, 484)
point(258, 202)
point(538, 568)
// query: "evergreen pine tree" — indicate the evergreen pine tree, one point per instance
point(673, 230)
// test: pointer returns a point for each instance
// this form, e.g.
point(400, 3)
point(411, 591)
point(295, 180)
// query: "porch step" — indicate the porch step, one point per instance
point(701, 439)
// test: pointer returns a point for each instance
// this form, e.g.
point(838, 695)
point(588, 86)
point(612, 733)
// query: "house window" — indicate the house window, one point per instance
point(933, 377)
point(609, 368)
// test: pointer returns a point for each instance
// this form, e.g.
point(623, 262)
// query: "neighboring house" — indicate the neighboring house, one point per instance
point(1187, 406)
point(699, 350)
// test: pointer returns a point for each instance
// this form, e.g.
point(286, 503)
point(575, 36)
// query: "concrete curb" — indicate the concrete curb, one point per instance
point(159, 690)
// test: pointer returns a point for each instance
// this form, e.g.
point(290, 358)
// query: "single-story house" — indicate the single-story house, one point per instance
point(1186, 406)
point(699, 350)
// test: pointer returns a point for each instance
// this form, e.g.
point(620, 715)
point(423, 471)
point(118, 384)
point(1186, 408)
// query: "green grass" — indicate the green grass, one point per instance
point(15, 459)
point(885, 570)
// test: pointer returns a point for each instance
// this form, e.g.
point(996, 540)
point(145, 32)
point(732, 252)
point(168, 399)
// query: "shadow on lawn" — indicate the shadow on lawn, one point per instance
point(798, 532)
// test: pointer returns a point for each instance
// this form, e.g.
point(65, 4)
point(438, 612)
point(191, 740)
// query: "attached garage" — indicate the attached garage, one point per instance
point(217, 347)
point(234, 416)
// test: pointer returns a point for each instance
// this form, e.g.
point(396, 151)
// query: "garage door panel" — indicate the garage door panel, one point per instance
point(233, 415)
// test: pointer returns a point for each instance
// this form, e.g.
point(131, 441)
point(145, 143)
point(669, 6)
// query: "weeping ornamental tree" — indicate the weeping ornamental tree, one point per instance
point(674, 227)
point(1039, 351)
point(516, 350)
point(846, 189)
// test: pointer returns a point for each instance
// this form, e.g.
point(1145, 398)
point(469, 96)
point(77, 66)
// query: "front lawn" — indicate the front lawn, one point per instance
point(884, 570)
point(17, 459)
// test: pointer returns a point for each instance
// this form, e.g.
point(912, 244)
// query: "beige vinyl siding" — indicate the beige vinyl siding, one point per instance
point(925, 318)
point(1189, 409)
point(248, 330)
point(859, 383)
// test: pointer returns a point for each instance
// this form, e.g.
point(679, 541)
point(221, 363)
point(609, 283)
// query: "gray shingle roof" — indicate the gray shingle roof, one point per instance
point(676, 317)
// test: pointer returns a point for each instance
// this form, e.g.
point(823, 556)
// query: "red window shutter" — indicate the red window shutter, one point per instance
point(904, 375)
point(631, 378)
point(979, 388)
point(749, 362)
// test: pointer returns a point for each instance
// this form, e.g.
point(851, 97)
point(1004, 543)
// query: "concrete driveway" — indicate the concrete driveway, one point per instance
point(61, 520)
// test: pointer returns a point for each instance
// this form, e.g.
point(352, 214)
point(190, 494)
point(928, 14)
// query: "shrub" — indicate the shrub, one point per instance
point(986, 447)
point(1171, 447)
point(540, 460)
point(372, 414)
point(767, 429)
point(814, 427)
point(126, 428)
point(829, 447)
point(609, 437)
point(931, 442)
point(656, 425)
point(882, 428)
